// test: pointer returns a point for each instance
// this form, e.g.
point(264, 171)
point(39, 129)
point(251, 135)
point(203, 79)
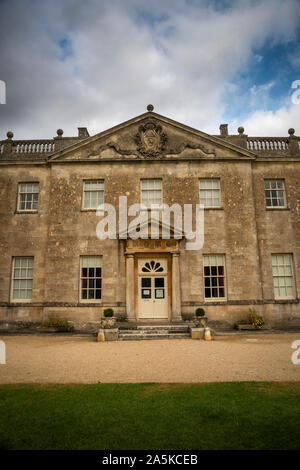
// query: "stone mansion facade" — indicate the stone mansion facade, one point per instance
point(53, 263)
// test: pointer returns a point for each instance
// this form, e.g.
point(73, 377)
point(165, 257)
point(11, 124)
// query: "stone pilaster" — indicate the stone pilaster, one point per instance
point(130, 311)
point(176, 288)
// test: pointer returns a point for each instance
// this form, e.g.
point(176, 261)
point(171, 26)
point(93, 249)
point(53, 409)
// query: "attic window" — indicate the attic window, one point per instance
point(210, 192)
point(93, 194)
point(151, 192)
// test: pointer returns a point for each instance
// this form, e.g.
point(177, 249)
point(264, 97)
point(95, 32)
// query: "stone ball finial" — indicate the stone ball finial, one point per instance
point(291, 131)
point(150, 107)
point(59, 132)
point(241, 130)
point(10, 134)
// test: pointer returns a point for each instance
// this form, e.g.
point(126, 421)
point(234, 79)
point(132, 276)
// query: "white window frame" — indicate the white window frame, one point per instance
point(281, 275)
point(156, 180)
point(26, 278)
point(27, 183)
point(204, 191)
point(224, 276)
point(274, 180)
point(94, 300)
point(84, 191)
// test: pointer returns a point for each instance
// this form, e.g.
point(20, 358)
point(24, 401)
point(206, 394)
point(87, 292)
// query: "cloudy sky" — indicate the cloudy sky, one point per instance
point(96, 63)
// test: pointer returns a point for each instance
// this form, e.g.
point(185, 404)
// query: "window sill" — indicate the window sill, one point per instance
point(218, 208)
point(216, 299)
point(283, 299)
point(277, 208)
point(26, 212)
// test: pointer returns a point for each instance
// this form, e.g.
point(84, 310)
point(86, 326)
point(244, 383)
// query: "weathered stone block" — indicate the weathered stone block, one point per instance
point(111, 334)
point(197, 333)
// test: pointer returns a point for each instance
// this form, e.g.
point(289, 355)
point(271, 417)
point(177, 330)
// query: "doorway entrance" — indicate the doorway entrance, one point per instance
point(153, 288)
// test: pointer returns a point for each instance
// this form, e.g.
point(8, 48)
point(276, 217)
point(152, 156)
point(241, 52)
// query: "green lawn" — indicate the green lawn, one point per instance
point(151, 416)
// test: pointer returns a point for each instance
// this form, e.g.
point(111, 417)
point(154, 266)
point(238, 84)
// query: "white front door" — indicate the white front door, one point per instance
point(153, 288)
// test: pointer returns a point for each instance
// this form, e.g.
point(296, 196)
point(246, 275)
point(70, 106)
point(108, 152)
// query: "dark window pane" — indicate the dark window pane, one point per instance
point(214, 270)
point(98, 283)
point(98, 272)
point(207, 281)
point(91, 272)
point(268, 202)
point(268, 193)
point(206, 270)
point(159, 270)
point(98, 294)
point(220, 270)
point(91, 294)
point(221, 281)
point(207, 293)
point(84, 294)
point(214, 292)
point(159, 282)
point(84, 283)
point(214, 281)
point(221, 292)
point(274, 201)
point(84, 272)
point(91, 283)
point(146, 282)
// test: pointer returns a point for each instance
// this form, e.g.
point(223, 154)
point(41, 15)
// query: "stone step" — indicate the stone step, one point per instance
point(149, 335)
point(155, 331)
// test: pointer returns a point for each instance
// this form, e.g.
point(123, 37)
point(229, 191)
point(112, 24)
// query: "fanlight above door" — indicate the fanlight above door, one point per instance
point(152, 266)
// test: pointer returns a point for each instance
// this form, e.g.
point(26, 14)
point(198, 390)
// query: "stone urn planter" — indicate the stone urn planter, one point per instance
point(107, 323)
point(108, 330)
point(200, 322)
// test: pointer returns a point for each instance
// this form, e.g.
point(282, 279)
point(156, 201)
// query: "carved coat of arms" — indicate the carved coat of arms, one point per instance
point(151, 140)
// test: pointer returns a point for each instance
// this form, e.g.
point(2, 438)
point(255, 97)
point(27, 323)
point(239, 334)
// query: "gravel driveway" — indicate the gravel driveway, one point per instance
point(63, 359)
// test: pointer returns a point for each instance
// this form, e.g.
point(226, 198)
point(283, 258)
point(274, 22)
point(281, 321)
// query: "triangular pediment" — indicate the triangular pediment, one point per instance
point(155, 229)
point(151, 136)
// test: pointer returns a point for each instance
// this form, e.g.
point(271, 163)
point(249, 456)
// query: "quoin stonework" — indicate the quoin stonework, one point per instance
point(53, 263)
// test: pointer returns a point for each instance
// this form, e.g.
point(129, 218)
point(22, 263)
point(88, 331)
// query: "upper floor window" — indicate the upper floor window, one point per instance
point(283, 279)
point(91, 278)
point(151, 192)
point(93, 194)
point(275, 193)
point(28, 195)
point(22, 278)
point(210, 192)
point(214, 276)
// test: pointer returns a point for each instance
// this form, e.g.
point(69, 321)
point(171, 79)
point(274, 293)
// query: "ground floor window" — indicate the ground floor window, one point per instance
point(91, 278)
point(214, 276)
point(283, 281)
point(22, 278)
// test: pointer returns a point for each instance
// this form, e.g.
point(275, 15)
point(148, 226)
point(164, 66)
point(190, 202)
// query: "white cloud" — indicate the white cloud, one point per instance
point(273, 123)
point(120, 63)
